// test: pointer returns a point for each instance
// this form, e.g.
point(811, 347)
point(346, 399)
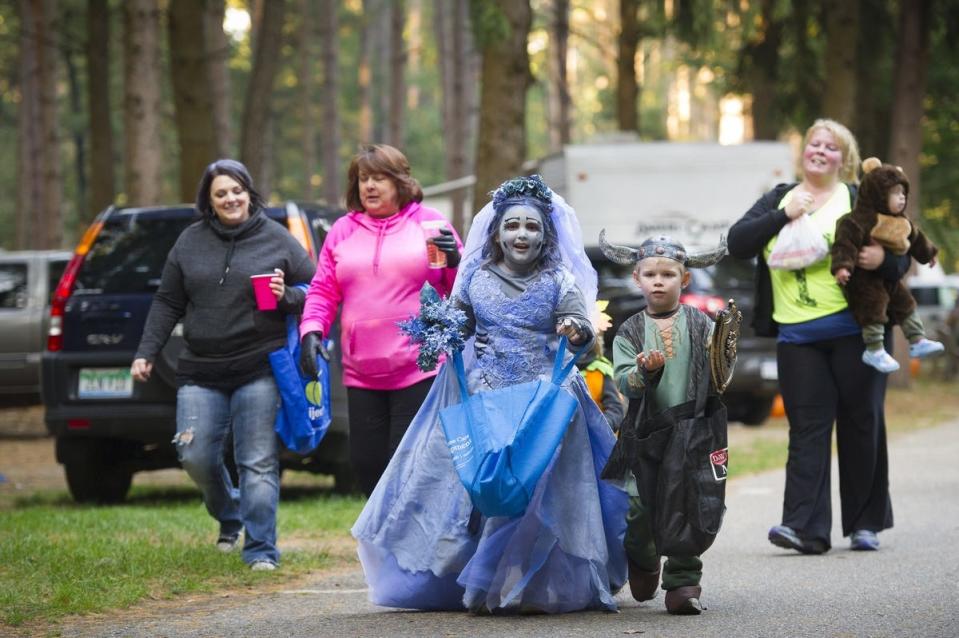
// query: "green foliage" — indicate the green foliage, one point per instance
point(940, 156)
point(490, 24)
point(716, 35)
point(694, 21)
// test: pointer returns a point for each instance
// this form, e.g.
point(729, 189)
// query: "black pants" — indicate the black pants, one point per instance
point(378, 421)
point(822, 383)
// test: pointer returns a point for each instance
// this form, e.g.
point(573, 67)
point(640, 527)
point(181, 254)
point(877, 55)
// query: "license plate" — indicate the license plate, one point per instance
point(105, 383)
point(768, 370)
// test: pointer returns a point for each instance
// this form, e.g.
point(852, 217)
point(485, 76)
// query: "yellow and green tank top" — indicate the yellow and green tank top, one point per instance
point(810, 293)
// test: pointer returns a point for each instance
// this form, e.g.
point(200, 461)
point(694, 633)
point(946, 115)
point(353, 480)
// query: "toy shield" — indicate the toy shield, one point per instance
point(722, 348)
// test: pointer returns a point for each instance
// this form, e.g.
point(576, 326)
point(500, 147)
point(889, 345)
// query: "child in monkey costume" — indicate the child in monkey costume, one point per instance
point(879, 216)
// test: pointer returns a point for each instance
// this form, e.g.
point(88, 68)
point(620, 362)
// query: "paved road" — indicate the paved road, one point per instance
point(751, 588)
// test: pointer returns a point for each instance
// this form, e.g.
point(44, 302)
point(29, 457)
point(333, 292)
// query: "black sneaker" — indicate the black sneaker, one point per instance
point(787, 538)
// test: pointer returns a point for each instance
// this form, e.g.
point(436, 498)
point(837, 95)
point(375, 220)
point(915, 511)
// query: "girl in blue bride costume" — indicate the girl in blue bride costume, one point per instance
point(524, 280)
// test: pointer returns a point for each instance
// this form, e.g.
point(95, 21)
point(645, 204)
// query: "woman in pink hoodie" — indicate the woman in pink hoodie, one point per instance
point(373, 264)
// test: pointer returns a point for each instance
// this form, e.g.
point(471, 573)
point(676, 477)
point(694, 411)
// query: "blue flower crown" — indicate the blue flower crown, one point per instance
point(522, 188)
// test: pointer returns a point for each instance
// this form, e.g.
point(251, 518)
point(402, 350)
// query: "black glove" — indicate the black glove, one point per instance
point(311, 346)
point(447, 243)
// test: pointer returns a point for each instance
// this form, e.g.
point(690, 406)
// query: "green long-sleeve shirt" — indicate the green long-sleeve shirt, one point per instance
point(666, 387)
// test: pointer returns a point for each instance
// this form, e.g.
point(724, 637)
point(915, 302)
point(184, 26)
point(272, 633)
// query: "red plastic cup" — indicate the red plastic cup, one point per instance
point(265, 299)
point(436, 258)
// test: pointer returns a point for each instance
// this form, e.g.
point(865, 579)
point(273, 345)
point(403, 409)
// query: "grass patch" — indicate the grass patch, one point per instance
point(58, 558)
point(757, 455)
point(926, 402)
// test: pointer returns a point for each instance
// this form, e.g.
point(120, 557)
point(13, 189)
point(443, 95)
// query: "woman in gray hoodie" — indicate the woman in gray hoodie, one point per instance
point(224, 380)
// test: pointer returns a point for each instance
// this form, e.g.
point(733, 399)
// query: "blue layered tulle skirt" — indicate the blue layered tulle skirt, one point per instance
point(422, 546)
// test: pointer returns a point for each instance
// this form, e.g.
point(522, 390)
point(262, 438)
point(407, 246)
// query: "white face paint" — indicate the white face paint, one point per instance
point(521, 236)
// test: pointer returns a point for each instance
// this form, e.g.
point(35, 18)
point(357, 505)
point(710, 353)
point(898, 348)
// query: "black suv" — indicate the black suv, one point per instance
point(750, 395)
point(107, 427)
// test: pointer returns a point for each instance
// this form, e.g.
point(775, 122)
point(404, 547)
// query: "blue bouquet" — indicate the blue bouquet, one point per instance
point(437, 330)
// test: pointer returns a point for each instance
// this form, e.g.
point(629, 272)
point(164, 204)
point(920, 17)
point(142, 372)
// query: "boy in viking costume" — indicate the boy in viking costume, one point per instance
point(880, 216)
point(671, 360)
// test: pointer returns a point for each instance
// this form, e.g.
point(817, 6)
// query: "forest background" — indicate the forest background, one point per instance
point(125, 102)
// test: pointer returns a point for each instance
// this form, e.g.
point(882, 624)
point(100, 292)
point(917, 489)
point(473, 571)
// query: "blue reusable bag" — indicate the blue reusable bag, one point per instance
point(304, 413)
point(502, 440)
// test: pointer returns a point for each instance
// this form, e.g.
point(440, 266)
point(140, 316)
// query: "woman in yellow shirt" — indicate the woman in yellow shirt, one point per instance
point(819, 351)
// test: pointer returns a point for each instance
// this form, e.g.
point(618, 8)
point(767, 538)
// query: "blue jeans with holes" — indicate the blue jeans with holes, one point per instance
point(204, 419)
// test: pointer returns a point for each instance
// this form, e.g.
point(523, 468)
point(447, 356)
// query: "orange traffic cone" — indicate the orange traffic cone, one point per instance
point(913, 368)
point(778, 408)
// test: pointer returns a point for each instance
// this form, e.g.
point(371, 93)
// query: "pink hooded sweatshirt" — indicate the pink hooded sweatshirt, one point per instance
point(375, 268)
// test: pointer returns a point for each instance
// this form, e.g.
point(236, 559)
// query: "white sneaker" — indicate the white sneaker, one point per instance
point(263, 566)
point(924, 348)
point(880, 360)
point(227, 544)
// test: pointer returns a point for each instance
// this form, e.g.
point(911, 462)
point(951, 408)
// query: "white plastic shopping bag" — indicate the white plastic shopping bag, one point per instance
point(799, 244)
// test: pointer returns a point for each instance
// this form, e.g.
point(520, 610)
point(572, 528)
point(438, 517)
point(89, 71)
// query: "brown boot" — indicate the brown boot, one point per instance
point(684, 601)
point(642, 584)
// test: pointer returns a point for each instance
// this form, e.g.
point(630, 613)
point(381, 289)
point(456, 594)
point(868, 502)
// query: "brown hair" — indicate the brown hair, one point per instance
point(381, 159)
point(849, 171)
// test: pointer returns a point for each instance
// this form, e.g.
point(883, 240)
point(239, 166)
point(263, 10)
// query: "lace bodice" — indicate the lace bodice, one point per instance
point(521, 332)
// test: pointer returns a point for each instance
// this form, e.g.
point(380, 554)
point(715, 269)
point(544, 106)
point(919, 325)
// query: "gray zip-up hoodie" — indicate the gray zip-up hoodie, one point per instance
point(206, 283)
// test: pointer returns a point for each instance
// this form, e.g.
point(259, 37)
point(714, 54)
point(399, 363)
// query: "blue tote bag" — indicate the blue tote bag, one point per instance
point(304, 414)
point(502, 440)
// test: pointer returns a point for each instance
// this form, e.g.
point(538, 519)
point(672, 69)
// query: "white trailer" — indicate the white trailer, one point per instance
point(692, 191)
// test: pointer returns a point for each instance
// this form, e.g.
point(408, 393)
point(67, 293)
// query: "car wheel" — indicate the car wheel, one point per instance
point(96, 470)
point(756, 411)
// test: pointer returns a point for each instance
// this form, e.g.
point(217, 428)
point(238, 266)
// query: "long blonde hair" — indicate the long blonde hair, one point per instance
point(849, 171)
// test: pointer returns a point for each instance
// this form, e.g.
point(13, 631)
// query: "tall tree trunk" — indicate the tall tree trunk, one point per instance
point(559, 99)
point(77, 130)
point(397, 73)
point(218, 57)
point(443, 33)
point(414, 48)
point(381, 49)
point(193, 113)
point(331, 113)
point(141, 101)
point(365, 64)
point(759, 68)
point(808, 96)
point(29, 145)
point(909, 92)
point(102, 185)
point(842, 28)
point(305, 73)
point(39, 182)
point(257, 111)
point(505, 78)
point(912, 58)
point(627, 87)
point(874, 62)
point(457, 73)
point(472, 66)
